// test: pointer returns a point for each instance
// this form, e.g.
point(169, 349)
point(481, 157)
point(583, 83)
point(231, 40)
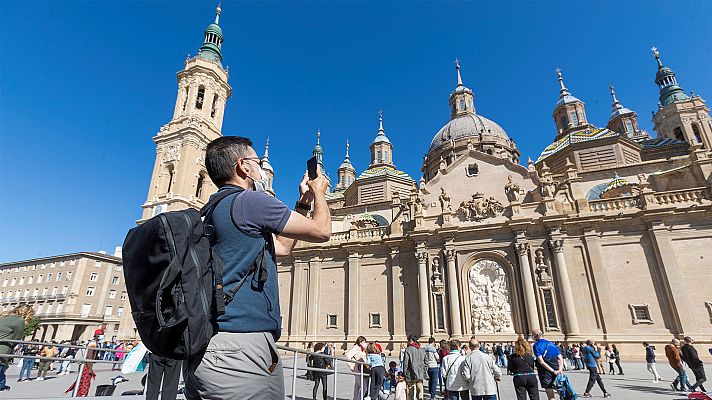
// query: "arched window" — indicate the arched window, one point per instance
point(201, 97)
point(379, 156)
point(171, 174)
point(214, 108)
point(462, 105)
point(696, 132)
point(199, 186)
point(185, 100)
point(573, 115)
point(678, 134)
point(629, 126)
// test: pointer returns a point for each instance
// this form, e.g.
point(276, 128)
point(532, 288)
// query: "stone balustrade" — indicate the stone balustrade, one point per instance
point(647, 200)
point(615, 204)
point(681, 196)
point(368, 233)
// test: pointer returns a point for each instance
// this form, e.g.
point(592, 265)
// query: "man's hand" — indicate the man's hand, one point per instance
point(318, 185)
point(558, 372)
point(305, 195)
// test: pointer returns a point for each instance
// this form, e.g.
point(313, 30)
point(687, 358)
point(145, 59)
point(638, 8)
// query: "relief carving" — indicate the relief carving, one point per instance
point(513, 190)
point(489, 293)
point(171, 153)
point(480, 208)
point(437, 273)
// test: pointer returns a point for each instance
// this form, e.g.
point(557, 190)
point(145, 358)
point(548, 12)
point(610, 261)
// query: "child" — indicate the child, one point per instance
point(378, 370)
point(392, 374)
point(401, 387)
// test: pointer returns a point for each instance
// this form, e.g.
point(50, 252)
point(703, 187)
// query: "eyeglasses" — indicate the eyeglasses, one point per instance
point(257, 159)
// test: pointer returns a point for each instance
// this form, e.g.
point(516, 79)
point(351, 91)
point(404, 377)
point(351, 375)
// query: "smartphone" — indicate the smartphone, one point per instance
point(311, 168)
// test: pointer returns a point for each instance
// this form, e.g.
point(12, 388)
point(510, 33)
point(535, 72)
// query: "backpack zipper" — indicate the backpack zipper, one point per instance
point(169, 232)
point(199, 269)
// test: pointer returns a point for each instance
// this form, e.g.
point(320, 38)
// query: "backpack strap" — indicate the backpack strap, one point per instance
point(230, 294)
point(208, 207)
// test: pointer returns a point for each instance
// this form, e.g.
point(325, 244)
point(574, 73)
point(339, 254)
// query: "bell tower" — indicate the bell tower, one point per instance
point(179, 178)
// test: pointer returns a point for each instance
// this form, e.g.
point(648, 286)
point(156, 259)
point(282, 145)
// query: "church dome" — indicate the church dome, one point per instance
point(468, 126)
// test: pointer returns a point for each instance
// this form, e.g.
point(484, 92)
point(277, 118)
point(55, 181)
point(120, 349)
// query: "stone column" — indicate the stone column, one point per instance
point(352, 284)
point(397, 300)
point(453, 293)
point(313, 298)
point(528, 286)
point(567, 295)
point(296, 314)
point(424, 297)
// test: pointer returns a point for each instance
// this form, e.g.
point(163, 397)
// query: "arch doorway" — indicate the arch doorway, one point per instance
point(490, 298)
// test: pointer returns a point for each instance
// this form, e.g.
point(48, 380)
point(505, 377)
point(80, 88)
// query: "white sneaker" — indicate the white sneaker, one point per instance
point(39, 379)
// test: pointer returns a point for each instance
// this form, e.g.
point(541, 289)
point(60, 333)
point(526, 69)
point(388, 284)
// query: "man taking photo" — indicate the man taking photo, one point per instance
point(251, 228)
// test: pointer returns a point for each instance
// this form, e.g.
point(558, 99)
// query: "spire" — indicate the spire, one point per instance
point(380, 122)
point(656, 54)
point(265, 158)
point(347, 150)
point(616, 104)
point(318, 152)
point(212, 43)
point(563, 91)
point(381, 136)
point(670, 90)
point(457, 67)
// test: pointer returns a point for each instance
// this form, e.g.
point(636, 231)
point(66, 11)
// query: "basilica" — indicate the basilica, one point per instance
point(606, 235)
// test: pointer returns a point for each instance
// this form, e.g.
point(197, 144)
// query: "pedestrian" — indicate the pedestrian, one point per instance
point(691, 358)
point(650, 361)
point(28, 362)
point(319, 377)
point(455, 385)
point(599, 360)
point(358, 353)
point(47, 351)
point(378, 371)
point(163, 377)
point(482, 374)
point(442, 352)
point(590, 355)
point(414, 368)
point(577, 357)
point(466, 349)
point(393, 374)
point(401, 387)
point(69, 355)
point(672, 352)
point(432, 361)
point(250, 228)
point(611, 358)
point(549, 362)
point(570, 355)
point(12, 326)
point(87, 372)
point(521, 365)
point(307, 360)
point(618, 358)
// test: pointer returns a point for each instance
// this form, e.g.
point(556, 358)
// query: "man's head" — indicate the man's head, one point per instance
point(537, 334)
point(431, 340)
point(412, 339)
point(589, 342)
point(454, 344)
point(646, 344)
point(474, 344)
point(688, 339)
point(675, 342)
point(232, 160)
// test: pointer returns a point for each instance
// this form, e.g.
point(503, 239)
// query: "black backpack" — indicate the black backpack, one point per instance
point(174, 281)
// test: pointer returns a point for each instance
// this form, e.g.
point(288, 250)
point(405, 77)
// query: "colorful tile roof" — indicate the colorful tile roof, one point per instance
point(660, 142)
point(576, 137)
point(383, 171)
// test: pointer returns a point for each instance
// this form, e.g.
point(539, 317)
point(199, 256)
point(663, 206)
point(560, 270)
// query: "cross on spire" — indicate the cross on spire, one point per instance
point(616, 103)
point(656, 54)
point(218, 10)
point(457, 67)
point(563, 91)
point(380, 120)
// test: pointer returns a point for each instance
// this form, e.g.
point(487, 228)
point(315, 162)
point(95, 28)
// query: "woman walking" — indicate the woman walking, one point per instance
point(358, 353)
point(319, 377)
point(521, 365)
point(12, 326)
point(610, 357)
point(378, 370)
point(618, 359)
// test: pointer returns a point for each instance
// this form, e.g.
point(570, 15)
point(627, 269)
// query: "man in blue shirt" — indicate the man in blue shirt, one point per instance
point(251, 228)
point(549, 362)
point(589, 354)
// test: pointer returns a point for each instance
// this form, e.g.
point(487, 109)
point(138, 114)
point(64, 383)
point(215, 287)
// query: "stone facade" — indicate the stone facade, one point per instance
point(72, 294)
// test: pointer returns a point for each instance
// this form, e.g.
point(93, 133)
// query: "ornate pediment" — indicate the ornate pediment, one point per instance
point(480, 208)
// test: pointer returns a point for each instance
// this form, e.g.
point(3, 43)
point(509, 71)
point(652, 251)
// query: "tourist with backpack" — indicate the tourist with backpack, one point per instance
point(223, 268)
point(455, 384)
point(549, 362)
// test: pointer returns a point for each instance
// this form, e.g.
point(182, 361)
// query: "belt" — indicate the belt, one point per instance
point(525, 373)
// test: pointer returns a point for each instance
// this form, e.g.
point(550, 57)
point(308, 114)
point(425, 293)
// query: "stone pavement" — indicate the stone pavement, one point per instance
point(634, 385)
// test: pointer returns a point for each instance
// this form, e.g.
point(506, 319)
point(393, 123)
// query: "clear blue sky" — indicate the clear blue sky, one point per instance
point(85, 86)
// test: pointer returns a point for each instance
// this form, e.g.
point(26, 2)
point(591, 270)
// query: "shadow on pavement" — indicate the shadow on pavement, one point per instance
point(650, 389)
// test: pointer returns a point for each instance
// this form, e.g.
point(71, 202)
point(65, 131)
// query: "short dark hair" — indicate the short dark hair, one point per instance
point(646, 344)
point(412, 338)
point(221, 156)
point(431, 340)
point(454, 344)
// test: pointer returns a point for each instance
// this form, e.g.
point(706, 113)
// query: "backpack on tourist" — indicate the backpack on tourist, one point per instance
point(174, 281)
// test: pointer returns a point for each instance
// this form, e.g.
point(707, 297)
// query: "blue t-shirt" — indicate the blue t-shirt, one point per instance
point(375, 360)
point(244, 224)
point(548, 351)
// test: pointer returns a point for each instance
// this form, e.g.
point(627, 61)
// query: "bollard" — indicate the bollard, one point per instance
point(336, 369)
point(294, 377)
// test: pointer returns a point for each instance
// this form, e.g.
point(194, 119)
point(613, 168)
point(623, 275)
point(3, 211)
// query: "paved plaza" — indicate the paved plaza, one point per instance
point(635, 384)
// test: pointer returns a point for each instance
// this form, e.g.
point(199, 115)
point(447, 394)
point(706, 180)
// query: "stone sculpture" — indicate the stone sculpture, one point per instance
point(512, 190)
point(444, 201)
point(480, 208)
point(489, 294)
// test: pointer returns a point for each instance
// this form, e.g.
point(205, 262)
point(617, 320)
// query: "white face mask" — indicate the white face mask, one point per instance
point(261, 185)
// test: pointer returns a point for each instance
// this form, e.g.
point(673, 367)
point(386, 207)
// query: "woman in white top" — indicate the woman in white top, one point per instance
point(455, 383)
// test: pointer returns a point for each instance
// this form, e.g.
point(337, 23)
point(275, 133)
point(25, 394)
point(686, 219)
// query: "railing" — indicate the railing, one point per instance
point(615, 204)
point(294, 355)
point(681, 196)
point(367, 233)
point(24, 299)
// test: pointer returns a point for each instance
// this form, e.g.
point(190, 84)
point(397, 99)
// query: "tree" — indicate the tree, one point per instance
point(32, 325)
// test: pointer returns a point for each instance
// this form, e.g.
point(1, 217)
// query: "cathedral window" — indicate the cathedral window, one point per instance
point(472, 170)
point(332, 321)
point(640, 313)
point(549, 308)
point(214, 108)
point(574, 118)
point(201, 98)
point(171, 174)
point(678, 134)
point(563, 121)
point(199, 186)
point(462, 105)
point(374, 320)
point(629, 126)
point(379, 157)
point(696, 132)
point(439, 313)
point(185, 99)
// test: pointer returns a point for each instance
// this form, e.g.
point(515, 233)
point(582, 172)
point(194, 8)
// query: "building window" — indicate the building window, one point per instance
point(22, 280)
point(199, 186)
point(59, 276)
point(119, 311)
point(640, 313)
point(678, 134)
point(4, 282)
point(93, 277)
point(548, 297)
point(573, 117)
point(27, 292)
point(123, 295)
point(201, 97)
point(112, 294)
point(49, 308)
point(44, 291)
point(185, 101)
point(69, 275)
point(72, 262)
point(36, 291)
point(379, 156)
point(55, 290)
point(49, 277)
point(86, 309)
point(90, 291)
point(13, 281)
point(332, 321)
point(374, 320)
point(32, 279)
point(61, 264)
point(115, 280)
point(51, 265)
point(439, 312)
point(472, 170)
point(65, 289)
point(97, 264)
point(170, 178)
point(629, 127)
point(108, 311)
point(214, 107)
point(60, 308)
point(696, 132)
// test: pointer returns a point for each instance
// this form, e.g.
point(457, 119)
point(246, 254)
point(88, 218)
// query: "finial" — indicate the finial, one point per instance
point(380, 120)
point(218, 10)
point(347, 149)
point(616, 103)
point(457, 67)
point(656, 54)
point(267, 149)
point(563, 91)
point(318, 136)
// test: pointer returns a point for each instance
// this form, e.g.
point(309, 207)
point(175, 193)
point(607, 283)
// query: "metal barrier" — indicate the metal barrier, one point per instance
point(295, 368)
